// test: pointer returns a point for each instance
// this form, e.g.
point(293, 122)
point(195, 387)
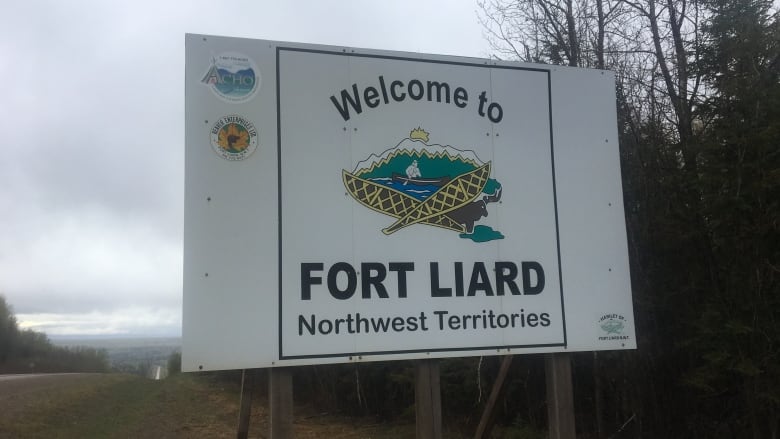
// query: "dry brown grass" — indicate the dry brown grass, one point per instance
point(183, 406)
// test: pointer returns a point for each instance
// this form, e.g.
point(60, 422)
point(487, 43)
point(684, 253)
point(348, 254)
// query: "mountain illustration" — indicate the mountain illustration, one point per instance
point(433, 158)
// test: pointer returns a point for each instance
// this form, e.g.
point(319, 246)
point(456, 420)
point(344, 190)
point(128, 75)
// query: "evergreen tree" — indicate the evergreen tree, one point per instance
point(738, 333)
point(31, 351)
point(8, 329)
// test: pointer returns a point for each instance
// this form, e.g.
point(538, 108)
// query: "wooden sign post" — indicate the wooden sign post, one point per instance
point(280, 390)
point(427, 396)
point(245, 407)
point(560, 396)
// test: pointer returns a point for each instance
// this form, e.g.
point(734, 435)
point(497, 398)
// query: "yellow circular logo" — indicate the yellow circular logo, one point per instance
point(233, 137)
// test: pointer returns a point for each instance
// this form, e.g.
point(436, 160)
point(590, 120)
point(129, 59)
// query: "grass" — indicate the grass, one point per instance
point(122, 406)
point(182, 406)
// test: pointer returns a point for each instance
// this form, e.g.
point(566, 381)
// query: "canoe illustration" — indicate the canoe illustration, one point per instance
point(437, 181)
point(452, 195)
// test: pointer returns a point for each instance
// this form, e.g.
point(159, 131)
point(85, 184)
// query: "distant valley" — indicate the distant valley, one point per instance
point(140, 356)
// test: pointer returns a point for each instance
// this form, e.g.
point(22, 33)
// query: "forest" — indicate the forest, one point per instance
point(28, 351)
point(698, 98)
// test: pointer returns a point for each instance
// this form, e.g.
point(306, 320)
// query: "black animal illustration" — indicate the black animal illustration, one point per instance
point(472, 212)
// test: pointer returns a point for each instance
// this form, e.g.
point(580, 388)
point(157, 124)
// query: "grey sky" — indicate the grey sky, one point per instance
point(92, 124)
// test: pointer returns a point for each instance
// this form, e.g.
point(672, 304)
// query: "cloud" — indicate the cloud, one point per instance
point(92, 116)
point(129, 321)
point(91, 260)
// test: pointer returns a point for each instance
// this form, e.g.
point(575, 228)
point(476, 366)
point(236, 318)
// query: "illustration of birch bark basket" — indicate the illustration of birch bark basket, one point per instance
point(417, 183)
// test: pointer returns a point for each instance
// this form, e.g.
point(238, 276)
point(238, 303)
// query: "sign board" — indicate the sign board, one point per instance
point(354, 205)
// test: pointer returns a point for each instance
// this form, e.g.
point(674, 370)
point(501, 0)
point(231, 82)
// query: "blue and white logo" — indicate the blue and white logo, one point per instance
point(233, 77)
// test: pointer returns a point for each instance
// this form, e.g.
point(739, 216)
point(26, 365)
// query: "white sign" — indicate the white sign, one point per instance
point(363, 205)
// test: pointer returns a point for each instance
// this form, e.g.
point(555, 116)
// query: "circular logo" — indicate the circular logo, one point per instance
point(233, 77)
point(233, 137)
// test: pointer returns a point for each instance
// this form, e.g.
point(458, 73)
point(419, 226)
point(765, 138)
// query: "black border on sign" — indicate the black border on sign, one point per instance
point(279, 49)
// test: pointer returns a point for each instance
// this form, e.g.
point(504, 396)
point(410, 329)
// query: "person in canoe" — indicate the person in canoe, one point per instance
point(414, 176)
point(412, 171)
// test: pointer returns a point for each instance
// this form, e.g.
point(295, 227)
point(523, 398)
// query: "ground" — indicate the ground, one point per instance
point(128, 406)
